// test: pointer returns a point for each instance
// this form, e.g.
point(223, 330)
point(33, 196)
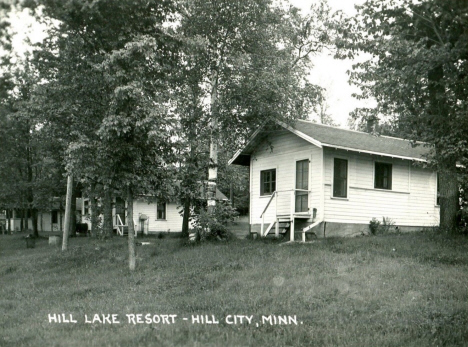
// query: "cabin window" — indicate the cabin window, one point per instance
point(267, 182)
point(54, 217)
point(161, 210)
point(340, 178)
point(383, 176)
point(86, 207)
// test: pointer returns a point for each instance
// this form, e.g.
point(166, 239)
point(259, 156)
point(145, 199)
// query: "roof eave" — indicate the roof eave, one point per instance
point(374, 153)
point(249, 141)
point(236, 159)
point(300, 134)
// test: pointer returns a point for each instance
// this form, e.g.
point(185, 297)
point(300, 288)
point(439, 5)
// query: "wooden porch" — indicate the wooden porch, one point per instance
point(282, 222)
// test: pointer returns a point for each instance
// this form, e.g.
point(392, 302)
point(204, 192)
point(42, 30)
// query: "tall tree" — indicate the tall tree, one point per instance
point(250, 58)
point(109, 64)
point(418, 73)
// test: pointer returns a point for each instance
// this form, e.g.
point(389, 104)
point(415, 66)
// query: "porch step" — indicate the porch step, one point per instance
point(124, 229)
point(283, 228)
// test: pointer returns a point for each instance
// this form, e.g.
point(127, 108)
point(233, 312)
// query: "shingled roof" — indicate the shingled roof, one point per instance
point(328, 136)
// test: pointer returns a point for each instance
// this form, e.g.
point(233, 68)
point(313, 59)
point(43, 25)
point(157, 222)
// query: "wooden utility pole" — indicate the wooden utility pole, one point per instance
point(131, 231)
point(68, 212)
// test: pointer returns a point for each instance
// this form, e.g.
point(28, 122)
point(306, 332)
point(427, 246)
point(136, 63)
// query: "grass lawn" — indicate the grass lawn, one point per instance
point(392, 290)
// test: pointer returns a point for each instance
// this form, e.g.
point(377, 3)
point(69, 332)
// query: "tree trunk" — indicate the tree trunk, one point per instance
point(94, 215)
point(231, 194)
point(93, 210)
point(9, 219)
point(26, 214)
point(131, 231)
point(34, 222)
point(59, 216)
point(22, 220)
point(73, 212)
point(213, 164)
point(107, 213)
point(68, 212)
point(448, 184)
point(449, 205)
point(185, 218)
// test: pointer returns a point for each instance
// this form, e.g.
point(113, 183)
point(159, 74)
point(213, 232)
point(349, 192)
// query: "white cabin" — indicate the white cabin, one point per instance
point(152, 217)
point(319, 179)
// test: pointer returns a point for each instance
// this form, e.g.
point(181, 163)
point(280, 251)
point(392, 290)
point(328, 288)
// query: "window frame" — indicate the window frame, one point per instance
point(345, 196)
point(389, 179)
point(272, 182)
point(158, 204)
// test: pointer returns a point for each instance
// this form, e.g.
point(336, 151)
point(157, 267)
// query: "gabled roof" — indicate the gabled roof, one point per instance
point(327, 136)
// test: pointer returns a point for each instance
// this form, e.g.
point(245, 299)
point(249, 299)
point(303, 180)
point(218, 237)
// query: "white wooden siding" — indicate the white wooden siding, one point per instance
point(281, 153)
point(44, 222)
point(173, 222)
point(410, 202)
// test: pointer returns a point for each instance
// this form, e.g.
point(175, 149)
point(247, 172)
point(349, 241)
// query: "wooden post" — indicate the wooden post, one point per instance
point(277, 228)
point(291, 234)
point(68, 212)
point(263, 222)
point(291, 230)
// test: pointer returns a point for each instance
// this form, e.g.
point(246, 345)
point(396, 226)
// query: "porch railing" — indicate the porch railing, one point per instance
point(290, 214)
point(121, 226)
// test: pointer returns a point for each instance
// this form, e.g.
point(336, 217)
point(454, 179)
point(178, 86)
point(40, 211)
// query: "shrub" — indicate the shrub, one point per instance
point(377, 227)
point(210, 226)
point(387, 224)
point(374, 225)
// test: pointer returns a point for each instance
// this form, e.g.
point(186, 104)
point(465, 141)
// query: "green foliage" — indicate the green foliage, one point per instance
point(417, 71)
point(387, 224)
point(378, 227)
point(374, 225)
point(214, 225)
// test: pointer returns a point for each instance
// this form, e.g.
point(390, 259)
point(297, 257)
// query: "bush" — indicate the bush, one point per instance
point(211, 226)
point(374, 225)
point(377, 227)
point(387, 225)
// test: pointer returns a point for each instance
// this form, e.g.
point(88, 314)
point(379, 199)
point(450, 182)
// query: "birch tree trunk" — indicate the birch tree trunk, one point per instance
point(131, 231)
point(68, 212)
point(213, 165)
point(72, 228)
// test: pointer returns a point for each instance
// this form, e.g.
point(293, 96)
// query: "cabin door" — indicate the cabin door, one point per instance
point(120, 209)
point(302, 182)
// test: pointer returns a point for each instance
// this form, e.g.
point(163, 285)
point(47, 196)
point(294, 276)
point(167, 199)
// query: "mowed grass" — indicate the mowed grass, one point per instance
point(392, 290)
